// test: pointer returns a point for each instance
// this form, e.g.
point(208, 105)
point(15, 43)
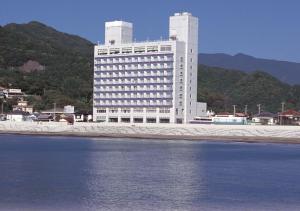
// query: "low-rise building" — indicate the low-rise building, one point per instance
point(289, 117)
point(83, 116)
point(11, 93)
point(45, 118)
point(229, 119)
point(264, 118)
point(23, 106)
point(57, 113)
point(17, 116)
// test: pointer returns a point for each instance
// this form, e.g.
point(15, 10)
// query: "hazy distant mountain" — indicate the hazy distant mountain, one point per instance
point(288, 72)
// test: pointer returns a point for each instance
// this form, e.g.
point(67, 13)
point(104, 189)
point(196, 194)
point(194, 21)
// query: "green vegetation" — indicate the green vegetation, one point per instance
point(222, 88)
point(68, 62)
point(68, 74)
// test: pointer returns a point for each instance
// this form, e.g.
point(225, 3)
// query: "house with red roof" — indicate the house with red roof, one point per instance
point(289, 117)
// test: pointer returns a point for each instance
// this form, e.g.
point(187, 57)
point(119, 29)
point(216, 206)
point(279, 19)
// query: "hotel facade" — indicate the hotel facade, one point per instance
point(147, 82)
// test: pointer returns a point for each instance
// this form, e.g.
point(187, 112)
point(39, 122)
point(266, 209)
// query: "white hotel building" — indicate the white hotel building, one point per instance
point(147, 82)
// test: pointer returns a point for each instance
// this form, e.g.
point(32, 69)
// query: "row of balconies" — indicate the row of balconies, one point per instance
point(153, 79)
point(132, 75)
point(125, 103)
point(145, 82)
point(132, 89)
point(133, 96)
point(132, 67)
point(132, 59)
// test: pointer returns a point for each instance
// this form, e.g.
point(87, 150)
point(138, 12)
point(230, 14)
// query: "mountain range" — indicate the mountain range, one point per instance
point(288, 72)
point(56, 67)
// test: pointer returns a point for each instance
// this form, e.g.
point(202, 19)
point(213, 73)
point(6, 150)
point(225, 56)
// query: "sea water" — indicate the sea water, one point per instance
point(67, 173)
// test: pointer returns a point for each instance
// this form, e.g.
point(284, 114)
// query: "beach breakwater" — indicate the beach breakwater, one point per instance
point(248, 133)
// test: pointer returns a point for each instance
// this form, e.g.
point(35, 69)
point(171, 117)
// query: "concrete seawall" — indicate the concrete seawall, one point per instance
point(247, 133)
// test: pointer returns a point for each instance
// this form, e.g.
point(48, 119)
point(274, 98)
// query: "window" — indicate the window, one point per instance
point(138, 110)
point(127, 50)
point(164, 110)
point(151, 120)
point(139, 49)
point(101, 111)
point(165, 48)
point(114, 51)
point(102, 51)
point(113, 110)
point(125, 110)
point(152, 48)
point(164, 120)
point(151, 110)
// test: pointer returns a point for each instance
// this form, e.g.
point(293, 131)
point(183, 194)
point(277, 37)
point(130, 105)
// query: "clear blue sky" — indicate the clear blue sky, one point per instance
point(262, 28)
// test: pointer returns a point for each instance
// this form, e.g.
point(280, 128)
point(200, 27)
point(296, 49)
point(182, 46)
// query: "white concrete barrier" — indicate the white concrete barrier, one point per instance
point(172, 131)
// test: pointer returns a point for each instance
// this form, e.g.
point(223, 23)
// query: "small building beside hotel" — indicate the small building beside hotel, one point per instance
point(83, 116)
point(229, 119)
point(264, 118)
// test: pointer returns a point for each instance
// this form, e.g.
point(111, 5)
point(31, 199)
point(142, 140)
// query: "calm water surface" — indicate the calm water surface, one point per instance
point(63, 173)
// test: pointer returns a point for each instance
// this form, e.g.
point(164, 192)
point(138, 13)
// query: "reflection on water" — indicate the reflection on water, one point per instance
point(46, 173)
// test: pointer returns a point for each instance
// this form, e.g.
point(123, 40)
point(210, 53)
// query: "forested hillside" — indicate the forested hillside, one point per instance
point(62, 71)
point(67, 60)
point(223, 88)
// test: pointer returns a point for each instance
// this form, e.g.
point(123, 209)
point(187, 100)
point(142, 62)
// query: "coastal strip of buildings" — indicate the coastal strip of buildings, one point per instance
point(151, 81)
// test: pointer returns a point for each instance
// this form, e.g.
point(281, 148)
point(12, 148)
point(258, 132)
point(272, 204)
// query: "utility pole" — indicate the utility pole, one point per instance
point(259, 107)
point(234, 110)
point(282, 110)
point(2, 107)
point(246, 109)
point(54, 111)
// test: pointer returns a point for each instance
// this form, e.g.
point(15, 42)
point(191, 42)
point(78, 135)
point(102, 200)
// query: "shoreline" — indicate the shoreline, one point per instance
point(213, 133)
point(233, 139)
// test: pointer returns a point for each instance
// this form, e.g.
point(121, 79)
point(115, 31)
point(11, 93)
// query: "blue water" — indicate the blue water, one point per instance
point(63, 173)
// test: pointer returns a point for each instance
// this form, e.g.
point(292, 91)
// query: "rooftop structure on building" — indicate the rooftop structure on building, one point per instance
point(147, 82)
